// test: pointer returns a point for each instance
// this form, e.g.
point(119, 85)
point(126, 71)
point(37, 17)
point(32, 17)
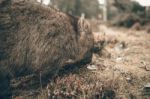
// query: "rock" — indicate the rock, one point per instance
point(147, 85)
point(92, 67)
point(146, 90)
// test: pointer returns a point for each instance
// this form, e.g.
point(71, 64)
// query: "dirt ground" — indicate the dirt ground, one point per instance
point(129, 61)
point(120, 71)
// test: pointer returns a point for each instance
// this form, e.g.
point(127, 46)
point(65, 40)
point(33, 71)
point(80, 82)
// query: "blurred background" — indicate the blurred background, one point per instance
point(125, 13)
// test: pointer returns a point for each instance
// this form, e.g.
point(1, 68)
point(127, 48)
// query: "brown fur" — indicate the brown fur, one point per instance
point(34, 38)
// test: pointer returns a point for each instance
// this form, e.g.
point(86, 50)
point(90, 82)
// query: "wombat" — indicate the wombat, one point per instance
point(38, 39)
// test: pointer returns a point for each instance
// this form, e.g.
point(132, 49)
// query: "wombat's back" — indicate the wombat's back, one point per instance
point(35, 39)
point(43, 39)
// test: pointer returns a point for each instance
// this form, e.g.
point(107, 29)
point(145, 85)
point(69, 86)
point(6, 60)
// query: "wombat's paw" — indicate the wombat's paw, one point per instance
point(69, 61)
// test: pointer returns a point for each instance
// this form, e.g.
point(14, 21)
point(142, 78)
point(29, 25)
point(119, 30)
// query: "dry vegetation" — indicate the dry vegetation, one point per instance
point(120, 67)
point(122, 70)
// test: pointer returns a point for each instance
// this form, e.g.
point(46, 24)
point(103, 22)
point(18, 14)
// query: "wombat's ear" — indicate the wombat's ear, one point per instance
point(83, 25)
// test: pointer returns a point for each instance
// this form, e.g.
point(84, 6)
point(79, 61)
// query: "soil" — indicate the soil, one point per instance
point(129, 61)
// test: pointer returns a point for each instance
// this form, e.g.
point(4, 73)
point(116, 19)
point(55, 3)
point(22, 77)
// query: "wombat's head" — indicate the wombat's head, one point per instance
point(86, 39)
point(84, 27)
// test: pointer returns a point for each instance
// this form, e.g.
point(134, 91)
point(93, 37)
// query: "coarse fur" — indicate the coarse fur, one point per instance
point(38, 39)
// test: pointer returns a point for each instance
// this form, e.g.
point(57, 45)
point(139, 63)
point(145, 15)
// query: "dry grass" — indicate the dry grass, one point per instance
point(120, 76)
